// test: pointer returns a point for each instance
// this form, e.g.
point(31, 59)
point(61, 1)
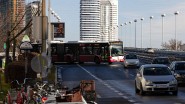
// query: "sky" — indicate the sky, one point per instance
point(129, 10)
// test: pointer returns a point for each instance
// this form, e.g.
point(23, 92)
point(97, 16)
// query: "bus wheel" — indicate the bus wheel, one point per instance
point(97, 60)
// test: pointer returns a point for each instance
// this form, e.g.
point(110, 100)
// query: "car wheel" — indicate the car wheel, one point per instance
point(141, 90)
point(175, 93)
point(136, 89)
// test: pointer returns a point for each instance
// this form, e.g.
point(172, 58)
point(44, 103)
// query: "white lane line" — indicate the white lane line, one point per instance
point(132, 101)
point(98, 96)
point(119, 69)
point(131, 75)
point(125, 97)
point(116, 91)
point(91, 74)
point(121, 94)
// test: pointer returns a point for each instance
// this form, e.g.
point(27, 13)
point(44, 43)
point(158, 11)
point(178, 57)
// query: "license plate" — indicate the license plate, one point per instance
point(161, 86)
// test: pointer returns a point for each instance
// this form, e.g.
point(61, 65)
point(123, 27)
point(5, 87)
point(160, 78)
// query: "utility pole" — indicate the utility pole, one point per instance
point(43, 26)
point(49, 32)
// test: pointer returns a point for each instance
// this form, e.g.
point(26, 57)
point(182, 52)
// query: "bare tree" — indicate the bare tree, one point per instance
point(171, 44)
point(12, 36)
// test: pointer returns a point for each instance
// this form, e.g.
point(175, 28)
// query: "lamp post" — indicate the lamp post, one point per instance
point(176, 13)
point(121, 25)
point(135, 31)
point(130, 22)
point(151, 17)
point(163, 15)
point(125, 33)
point(142, 33)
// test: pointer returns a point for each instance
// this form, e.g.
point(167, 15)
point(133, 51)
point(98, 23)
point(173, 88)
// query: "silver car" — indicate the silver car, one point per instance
point(155, 78)
point(131, 60)
point(178, 68)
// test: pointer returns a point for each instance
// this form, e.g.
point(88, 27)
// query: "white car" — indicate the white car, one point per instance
point(149, 50)
point(155, 78)
point(131, 60)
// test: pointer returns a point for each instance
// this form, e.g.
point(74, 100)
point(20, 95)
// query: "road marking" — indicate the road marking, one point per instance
point(120, 93)
point(131, 75)
point(104, 83)
point(132, 101)
point(98, 96)
point(125, 97)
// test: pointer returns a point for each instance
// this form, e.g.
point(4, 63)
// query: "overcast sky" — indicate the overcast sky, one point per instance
point(68, 11)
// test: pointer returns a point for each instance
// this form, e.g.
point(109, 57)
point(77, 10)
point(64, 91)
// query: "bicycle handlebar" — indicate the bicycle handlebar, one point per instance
point(22, 83)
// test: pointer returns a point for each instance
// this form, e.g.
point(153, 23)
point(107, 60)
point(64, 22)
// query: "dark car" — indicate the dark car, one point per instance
point(178, 68)
point(161, 60)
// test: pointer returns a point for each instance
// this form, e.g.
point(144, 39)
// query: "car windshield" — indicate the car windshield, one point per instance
point(180, 66)
point(161, 61)
point(156, 71)
point(131, 57)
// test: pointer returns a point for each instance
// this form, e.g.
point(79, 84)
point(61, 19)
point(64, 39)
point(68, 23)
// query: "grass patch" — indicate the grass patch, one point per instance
point(4, 87)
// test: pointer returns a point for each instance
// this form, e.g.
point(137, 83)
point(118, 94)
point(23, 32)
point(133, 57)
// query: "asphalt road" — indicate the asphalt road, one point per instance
point(114, 84)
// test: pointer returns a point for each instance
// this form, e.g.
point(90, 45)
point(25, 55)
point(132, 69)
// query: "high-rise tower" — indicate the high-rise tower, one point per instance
point(99, 20)
point(11, 13)
point(33, 9)
point(90, 20)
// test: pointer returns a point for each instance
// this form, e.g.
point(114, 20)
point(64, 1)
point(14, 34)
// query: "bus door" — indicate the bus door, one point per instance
point(104, 53)
point(70, 53)
point(60, 52)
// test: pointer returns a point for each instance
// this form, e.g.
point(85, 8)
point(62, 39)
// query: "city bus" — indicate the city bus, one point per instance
point(80, 51)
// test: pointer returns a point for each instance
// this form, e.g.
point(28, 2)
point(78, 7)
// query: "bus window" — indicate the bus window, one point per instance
point(67, 50)
point(96, 50)
point(88, 50)
point(116, 50)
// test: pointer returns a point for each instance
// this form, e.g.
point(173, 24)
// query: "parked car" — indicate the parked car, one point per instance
point(155, 78)
point(161, 60)
point(178, 68)
point(131, 60)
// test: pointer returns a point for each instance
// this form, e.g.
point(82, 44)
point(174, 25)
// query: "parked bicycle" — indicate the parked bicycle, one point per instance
point(18, 90)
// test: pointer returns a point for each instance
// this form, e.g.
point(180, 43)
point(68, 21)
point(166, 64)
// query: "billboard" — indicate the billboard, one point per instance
point(58, 30)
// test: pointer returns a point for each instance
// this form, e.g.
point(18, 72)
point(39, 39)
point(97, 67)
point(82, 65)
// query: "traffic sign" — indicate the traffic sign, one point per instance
point(26, 38)
point(26, 46)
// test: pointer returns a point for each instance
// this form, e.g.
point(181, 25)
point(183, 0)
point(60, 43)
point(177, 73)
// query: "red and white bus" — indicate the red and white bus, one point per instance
point(79, 51)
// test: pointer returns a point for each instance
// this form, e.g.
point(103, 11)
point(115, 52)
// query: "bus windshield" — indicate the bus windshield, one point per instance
point(116, 50)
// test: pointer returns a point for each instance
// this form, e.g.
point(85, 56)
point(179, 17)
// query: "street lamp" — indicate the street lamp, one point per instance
point(135, 31)
point(125, 33)
point(176, 13)
point(151, 17)
point(130, 22)
point(142, 33)
point(162, 15)
point(121, 25)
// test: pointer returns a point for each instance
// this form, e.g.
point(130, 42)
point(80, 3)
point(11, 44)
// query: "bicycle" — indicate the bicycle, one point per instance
point(21, 91)
point(39, 93)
